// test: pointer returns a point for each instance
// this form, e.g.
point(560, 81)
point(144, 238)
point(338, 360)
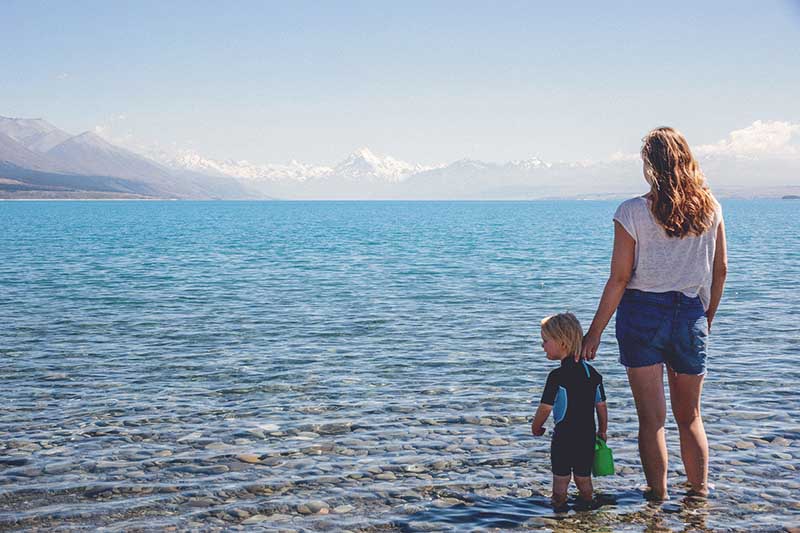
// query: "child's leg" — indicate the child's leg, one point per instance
point(584, 484)
point(560, 486)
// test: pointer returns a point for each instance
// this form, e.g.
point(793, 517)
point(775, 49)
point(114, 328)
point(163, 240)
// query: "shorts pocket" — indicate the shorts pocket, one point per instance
point(691, 347)
point(637, 325)
point(698, 334)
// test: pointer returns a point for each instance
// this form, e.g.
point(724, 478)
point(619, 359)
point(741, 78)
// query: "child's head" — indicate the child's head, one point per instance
point(561, 336)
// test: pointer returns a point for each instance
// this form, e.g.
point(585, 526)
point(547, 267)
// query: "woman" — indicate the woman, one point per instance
point(668, 269)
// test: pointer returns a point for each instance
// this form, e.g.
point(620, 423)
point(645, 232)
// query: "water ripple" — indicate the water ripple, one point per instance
point(372, 366)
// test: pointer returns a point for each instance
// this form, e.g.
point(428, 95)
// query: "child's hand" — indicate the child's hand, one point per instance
point(537, 432)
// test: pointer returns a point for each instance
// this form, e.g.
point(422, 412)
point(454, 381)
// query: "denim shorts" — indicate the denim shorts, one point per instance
point(663, 327)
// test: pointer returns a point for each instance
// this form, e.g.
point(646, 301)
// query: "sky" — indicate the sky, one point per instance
point(425, 82)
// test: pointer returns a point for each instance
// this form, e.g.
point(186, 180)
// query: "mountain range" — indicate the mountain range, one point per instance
point(39, 160)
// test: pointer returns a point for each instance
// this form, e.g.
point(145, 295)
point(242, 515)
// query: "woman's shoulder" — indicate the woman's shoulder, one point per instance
point(632, 205)
point(717, 205)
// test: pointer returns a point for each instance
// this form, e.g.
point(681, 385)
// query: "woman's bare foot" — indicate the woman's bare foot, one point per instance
point(697, 493)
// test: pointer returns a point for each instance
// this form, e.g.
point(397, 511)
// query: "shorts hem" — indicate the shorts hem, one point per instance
point(639, 364)
point(685, 372)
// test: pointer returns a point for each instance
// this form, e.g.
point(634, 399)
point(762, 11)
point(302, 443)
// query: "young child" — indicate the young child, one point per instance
point(573, 392)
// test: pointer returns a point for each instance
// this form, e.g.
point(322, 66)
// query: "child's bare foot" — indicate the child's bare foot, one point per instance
point(652, 496)
point(559, 502)
point(583, 504)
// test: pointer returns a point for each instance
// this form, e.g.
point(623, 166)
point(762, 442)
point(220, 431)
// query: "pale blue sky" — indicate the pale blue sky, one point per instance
point(421, 81)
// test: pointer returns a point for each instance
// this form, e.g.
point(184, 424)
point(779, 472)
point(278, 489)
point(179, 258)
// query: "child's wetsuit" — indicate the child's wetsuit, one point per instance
point(573, 389)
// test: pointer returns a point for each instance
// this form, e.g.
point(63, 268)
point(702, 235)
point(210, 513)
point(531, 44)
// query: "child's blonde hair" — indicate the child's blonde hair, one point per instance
point(566, 329)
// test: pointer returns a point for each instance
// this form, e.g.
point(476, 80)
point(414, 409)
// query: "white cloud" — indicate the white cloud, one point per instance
point(622, 156)
point(761, 138)
point(62, 76)
point(112, 130)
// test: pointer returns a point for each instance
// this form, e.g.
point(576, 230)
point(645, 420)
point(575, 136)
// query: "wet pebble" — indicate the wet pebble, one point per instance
point(17, 460)
point(313, 507)
point(200, 502)
point(446, 502)
point(721, 447)
point(255, 519)
point(493, 492)
point(342, 509)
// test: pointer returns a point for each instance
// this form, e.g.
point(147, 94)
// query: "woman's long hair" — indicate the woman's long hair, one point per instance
point(680, 199)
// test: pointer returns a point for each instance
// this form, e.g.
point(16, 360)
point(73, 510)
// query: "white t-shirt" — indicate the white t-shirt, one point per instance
point(664, 263)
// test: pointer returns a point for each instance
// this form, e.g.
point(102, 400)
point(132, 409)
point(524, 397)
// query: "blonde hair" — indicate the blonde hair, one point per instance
point(566, 329)
point(681, 202)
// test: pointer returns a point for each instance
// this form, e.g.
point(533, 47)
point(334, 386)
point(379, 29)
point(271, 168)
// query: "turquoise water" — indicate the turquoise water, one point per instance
point(366, 365)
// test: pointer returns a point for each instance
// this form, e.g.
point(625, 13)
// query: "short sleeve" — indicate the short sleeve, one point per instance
point(624, 215)
point(550, 390)
point(600, 393)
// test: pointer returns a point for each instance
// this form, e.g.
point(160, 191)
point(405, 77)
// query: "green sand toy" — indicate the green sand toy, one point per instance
point(603, 459)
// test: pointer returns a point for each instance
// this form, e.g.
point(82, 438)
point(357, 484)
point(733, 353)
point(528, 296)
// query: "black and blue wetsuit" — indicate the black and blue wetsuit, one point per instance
point(573, 389)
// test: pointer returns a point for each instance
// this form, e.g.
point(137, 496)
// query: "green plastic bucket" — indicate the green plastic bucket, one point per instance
point(603, 459)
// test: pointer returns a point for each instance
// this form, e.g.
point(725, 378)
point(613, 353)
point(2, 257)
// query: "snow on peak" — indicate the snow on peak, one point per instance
point(467, 163)
point(530, 164)
point(363, 163)
point(191, 160)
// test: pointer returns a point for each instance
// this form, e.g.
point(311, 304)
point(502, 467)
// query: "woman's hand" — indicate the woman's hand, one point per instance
point(537, 432)
point(603, 435)
point(591, 341)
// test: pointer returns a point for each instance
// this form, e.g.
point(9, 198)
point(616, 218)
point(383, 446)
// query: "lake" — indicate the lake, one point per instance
point(369, 366)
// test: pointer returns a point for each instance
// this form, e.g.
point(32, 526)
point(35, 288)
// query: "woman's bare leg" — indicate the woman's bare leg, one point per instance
point(647, 385)
point(685, 391)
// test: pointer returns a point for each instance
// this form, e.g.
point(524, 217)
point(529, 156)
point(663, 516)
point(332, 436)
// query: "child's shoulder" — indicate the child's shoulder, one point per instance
point(593, 371)
point(554, 374)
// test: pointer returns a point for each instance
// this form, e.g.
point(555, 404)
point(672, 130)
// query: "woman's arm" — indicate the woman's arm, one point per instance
point(719, 273)
point(621, 271)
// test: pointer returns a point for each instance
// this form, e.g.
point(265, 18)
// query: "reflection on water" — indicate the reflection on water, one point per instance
point(621, 512)
point(330, 366)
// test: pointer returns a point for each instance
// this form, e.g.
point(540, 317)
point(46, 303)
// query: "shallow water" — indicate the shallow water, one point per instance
point(337, 365)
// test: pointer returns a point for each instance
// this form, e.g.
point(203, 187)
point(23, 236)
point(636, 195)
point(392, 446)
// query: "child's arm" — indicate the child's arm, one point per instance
point(602, 420)
point(602, 410)
point(537, 426)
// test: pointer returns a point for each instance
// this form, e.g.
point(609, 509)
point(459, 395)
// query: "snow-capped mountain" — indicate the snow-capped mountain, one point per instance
point(243, 169)
point(38, 158)
point(529, 164)
point(365, 165)
point(361, 165)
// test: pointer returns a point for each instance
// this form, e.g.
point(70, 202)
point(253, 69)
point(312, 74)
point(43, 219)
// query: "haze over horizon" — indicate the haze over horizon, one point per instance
point(427, 84)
